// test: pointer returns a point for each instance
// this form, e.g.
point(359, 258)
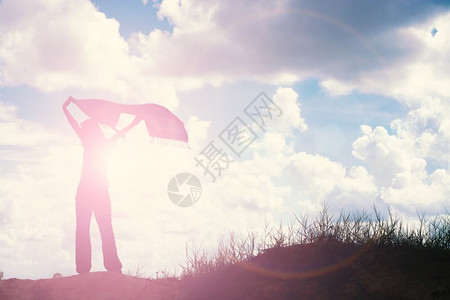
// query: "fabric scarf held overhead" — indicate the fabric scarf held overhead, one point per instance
point(162, 125)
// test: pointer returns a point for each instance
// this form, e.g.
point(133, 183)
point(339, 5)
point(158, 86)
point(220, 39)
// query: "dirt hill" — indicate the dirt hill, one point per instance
point(322, 270)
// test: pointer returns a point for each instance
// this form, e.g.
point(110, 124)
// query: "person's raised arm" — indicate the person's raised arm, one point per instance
point(123, 131)
point(72, 121)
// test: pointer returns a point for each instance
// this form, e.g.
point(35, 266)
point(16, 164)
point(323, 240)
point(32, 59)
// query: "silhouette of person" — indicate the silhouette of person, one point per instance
point(92, 194)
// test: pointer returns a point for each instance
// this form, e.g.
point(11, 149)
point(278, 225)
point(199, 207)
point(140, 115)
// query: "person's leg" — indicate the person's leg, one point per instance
point(102, 213)
point(83, 240)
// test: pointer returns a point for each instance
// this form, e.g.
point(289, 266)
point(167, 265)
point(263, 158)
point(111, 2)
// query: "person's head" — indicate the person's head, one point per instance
point(91, 132)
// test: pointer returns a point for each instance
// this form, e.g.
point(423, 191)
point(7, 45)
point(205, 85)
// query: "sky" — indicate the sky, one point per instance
point(358, 94)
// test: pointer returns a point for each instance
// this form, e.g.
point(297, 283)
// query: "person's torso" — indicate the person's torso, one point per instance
point(94, 171)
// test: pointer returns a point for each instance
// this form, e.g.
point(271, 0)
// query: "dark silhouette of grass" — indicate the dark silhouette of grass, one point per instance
point(353, 256)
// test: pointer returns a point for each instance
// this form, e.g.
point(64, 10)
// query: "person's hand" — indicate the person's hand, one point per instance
point(137, 119)
point(67, 102)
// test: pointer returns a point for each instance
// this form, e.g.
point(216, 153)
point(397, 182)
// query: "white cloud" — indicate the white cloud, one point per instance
point(7, 111)
point(280, 41)
point(55, 45)
point(399, 161)
point(51, 44)
point(325, 181)
point(387, 155)
point(421, 138)
point(309, 178)
point(15, 131)
point(291, 119)
point(197, 131)
point(188, 15)
point(62, 45)
point(254, 192)
point(414, 77)
point(37, 215)
point(336, 88)
point(411, 194)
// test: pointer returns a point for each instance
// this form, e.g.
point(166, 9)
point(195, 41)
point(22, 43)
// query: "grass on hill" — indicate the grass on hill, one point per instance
point(352, 256)
point(358, 229)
